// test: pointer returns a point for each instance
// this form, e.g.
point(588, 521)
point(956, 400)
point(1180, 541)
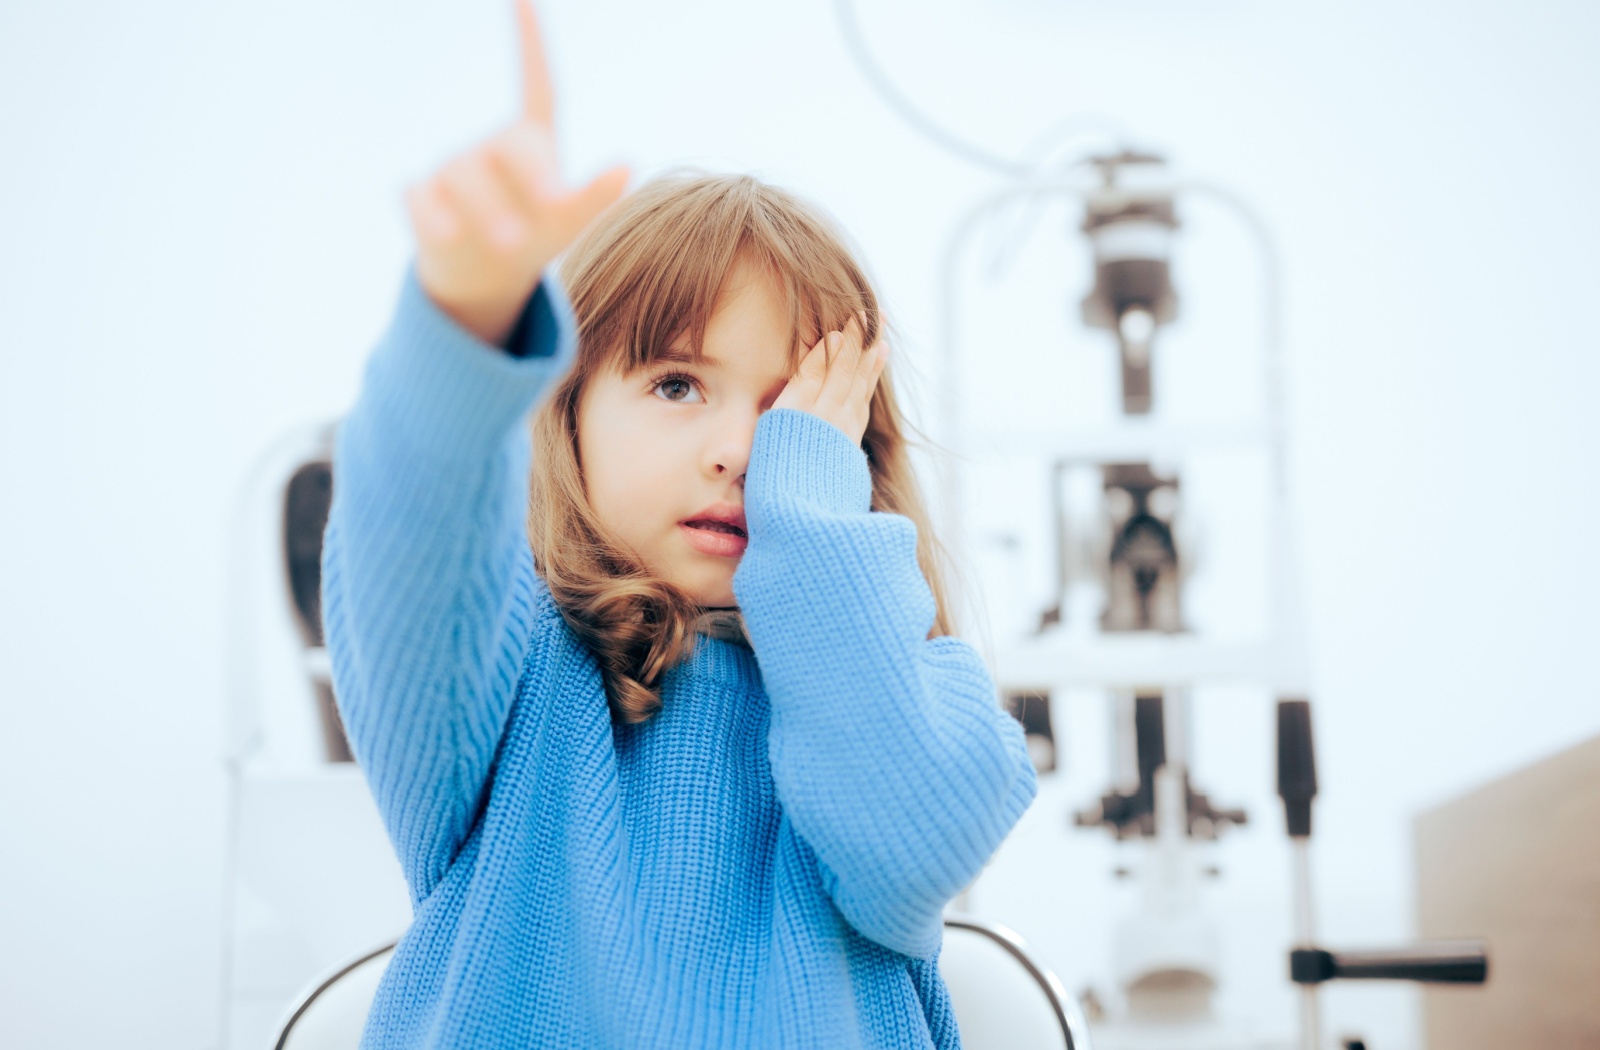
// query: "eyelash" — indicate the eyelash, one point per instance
point(659, 381)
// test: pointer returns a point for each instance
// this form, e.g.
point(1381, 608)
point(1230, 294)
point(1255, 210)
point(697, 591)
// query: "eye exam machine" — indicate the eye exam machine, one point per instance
point(1148, 516)
point(1121, 617)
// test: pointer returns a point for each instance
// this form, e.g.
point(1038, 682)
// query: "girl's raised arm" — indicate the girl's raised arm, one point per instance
point(428, 581)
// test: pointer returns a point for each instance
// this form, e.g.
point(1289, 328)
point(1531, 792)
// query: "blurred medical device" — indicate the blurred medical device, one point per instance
point(1124, 553)
point(1119, 622)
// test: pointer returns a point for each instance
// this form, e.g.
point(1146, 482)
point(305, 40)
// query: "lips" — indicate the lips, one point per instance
point(715, 526)
point(718, 530)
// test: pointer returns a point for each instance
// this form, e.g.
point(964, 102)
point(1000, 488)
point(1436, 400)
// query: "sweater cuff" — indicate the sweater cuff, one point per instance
point(450, 393)
point(797, 454)
point(544, 321)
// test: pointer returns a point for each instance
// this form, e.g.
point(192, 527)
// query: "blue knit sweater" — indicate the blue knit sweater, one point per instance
point(762, 864)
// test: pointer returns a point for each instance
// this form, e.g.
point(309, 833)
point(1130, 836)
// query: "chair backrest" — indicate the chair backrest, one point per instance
point(1003, 999)
point(1002, 996)
point(332, 1014)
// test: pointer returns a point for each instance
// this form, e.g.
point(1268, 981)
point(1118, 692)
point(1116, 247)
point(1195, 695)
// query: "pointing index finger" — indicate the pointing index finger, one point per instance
point(537, 103)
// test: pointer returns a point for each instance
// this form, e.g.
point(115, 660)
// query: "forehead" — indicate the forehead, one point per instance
point(749, 327)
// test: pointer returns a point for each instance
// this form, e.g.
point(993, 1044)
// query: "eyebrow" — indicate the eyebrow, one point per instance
point(681, 356)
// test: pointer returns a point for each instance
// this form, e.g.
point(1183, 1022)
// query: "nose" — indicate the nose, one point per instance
point(728, 452)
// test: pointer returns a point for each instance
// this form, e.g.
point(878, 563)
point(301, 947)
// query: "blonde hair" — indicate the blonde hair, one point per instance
point(647, 272)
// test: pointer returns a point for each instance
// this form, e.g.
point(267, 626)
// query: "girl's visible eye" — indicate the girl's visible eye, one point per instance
point(675, 381)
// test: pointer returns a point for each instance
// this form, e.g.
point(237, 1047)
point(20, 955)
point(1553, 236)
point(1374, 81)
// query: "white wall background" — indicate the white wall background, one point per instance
point(201, 235)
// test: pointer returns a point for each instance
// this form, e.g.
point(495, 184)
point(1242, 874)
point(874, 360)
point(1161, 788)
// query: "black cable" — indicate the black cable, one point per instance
point(1037, 165)
point(911, 114)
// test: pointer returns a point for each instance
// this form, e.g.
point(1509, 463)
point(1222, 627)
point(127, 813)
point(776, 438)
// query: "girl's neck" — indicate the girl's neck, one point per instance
point(722, 621)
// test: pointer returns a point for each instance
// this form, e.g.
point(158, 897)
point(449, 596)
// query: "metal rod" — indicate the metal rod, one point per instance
point(1305, 935)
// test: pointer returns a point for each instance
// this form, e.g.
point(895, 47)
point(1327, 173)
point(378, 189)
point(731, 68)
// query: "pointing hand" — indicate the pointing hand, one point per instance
point(490, 221)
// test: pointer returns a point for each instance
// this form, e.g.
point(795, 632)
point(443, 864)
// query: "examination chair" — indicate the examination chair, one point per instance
point(1003, 998)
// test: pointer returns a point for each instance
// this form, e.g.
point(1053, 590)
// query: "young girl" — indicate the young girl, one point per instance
point(656, 695)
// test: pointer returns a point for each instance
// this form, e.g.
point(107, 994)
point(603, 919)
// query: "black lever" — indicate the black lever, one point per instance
point(1438, 962)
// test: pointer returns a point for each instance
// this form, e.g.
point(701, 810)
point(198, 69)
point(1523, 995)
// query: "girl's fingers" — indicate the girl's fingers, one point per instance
point(836, 378)
point(845, 360)
point(538, 103)
point(526, 157)
point(432, 217)
point(579, 209)
point(873, 361)
point(492, 219)
point(479, 194)
point(814, 366)
point(801, 389)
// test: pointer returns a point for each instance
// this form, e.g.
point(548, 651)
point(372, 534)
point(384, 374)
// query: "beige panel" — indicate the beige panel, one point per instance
point(1517, 862)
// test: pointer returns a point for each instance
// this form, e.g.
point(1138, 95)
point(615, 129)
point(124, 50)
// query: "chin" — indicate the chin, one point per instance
point(711, 594)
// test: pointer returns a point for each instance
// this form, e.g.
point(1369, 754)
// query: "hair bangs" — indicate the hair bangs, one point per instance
point(681, 238)
point(807, 257)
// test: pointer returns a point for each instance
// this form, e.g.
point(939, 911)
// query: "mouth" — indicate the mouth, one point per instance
point(715, 526)
point(717, 538)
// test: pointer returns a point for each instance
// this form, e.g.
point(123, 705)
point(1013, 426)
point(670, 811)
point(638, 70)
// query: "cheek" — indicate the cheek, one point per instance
point(623, 473)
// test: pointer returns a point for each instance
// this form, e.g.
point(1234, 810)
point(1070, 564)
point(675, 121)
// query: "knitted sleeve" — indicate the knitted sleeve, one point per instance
point(891, 754)
point(428, 581)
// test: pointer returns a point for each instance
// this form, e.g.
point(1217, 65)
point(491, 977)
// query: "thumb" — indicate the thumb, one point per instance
point(581, 208)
